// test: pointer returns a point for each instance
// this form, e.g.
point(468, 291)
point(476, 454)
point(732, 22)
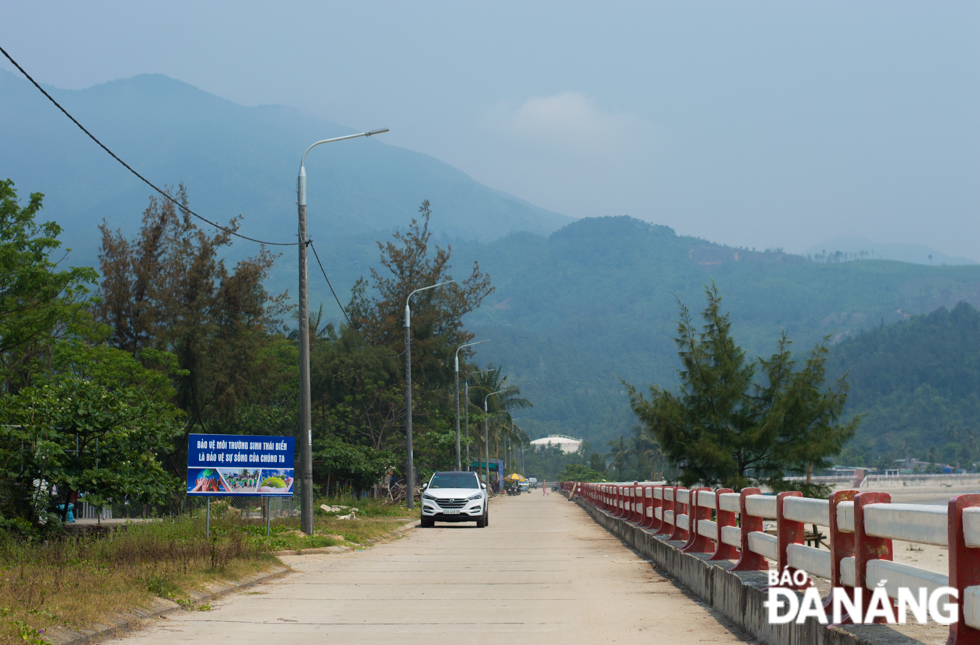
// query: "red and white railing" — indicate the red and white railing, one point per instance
point(860, 525)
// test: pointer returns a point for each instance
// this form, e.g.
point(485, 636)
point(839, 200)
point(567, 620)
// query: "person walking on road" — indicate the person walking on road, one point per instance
point(544, 488)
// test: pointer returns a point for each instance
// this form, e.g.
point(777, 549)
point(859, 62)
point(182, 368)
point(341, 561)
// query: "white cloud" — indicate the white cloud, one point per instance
point(569, 120)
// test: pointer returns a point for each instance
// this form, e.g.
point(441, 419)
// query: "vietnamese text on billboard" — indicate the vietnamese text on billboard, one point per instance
point(222, 465)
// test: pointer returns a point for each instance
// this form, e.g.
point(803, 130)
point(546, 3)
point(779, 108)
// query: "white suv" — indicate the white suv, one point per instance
point(455, 496)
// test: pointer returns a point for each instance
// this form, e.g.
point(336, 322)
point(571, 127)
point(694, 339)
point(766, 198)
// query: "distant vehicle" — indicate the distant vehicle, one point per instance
point(455, 496)
point(534, 480)
point(525, 486)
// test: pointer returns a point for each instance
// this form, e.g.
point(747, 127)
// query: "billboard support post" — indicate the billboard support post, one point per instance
point(240, 466)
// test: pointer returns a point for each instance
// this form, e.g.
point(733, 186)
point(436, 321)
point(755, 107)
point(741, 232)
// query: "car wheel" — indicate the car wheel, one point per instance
point(481, 522)
point(427, 522)
point(486, 519)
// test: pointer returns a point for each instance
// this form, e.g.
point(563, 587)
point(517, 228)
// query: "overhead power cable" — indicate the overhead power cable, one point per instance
point(322, 270)
point(130, 168)
point(166, 196)
point(350, 325)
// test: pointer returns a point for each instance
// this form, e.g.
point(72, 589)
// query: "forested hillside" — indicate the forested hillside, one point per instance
point(572, 314)
point(917, 384)
point(598, 300)
point(233, 160)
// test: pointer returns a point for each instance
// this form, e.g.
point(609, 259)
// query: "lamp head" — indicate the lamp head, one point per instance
point(301, 187)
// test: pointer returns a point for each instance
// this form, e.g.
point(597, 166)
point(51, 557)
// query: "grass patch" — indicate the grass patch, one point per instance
point(81, 582)
point(375, 519)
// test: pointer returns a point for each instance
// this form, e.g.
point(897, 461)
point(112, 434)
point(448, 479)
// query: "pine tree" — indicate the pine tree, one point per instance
point(735, 422)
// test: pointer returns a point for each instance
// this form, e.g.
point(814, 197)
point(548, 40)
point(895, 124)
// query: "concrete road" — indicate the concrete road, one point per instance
point(541, 573)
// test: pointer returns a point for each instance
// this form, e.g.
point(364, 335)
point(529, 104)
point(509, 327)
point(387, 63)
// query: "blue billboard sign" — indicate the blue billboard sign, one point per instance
point(231, 464)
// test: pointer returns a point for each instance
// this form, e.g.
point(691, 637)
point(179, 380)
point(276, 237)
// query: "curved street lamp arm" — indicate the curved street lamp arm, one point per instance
point(370, 133)
point(488, 396)
point(467, 345)
point(408, 300)
point(301, 180)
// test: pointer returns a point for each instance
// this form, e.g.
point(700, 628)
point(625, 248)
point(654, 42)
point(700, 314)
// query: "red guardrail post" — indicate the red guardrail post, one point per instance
point(723, 518)
point(655, 524)
point(868, 547)
point(666, 528)
point(841, 546)
point(698, 543)
point(681, 508)
point(631, 516)
point(749, 560)
point(787, 532)
point(647, 507)
point(963, 568)
point(637, 505)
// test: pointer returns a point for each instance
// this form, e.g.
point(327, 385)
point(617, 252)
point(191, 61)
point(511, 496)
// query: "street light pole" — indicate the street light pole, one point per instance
point(466, 411)
point(486, 433)
point(458, 464)
point(409, 463)
point(305, 429)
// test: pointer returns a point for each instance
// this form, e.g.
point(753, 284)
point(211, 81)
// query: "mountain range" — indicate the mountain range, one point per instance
point(579, 304)
point(234, 160)
point(853, 247)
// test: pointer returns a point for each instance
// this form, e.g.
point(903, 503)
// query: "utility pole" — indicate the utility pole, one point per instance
point(305, 424)
point(467, 413)
point(409, 456)
point(458, 465)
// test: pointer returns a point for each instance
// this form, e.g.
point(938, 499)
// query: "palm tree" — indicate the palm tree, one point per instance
point(620, 454)
point(499, 407)
point(649, 457)
point(316, 331)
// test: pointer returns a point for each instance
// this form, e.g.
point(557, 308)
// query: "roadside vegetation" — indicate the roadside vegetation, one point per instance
point(737, 422)
point(104, 373)
point(75, 583)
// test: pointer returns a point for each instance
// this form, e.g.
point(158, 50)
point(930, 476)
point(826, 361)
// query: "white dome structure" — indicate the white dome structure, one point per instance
point(567, 444)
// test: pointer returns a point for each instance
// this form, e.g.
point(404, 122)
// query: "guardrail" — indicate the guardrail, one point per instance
point(861, 526)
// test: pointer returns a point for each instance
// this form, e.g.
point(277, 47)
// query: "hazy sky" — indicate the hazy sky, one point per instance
point(749, 123)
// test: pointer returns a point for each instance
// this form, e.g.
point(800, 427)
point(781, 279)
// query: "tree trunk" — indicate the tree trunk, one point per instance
point(809, 472)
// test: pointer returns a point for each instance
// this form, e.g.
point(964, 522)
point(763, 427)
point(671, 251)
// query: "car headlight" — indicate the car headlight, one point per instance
point(477, 496)
point(427, 496)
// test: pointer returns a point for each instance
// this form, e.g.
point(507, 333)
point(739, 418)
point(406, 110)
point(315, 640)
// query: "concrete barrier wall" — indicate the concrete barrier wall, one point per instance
point(739, 595)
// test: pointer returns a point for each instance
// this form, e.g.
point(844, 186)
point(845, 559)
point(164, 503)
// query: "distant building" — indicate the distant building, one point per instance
point(567, 444)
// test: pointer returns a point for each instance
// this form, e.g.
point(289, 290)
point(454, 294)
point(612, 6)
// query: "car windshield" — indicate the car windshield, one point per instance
point(454, 480)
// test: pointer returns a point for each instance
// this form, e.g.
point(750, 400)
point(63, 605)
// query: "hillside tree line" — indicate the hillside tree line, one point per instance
point(105, 373)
